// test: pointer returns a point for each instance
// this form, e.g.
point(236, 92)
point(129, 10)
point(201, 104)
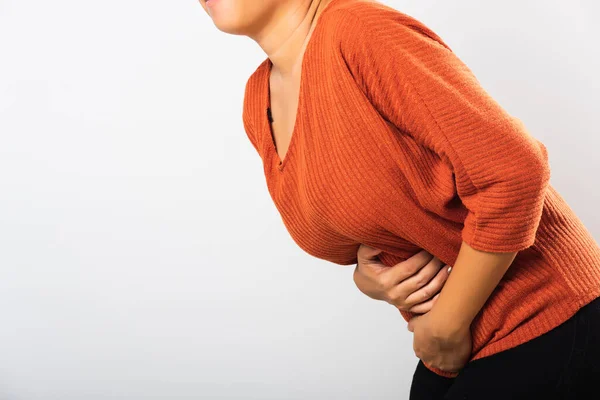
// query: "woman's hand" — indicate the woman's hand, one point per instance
point(411, 285)
point(448, 351)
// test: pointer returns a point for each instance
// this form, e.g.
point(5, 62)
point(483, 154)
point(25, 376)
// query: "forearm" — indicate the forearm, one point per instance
point(474, 276)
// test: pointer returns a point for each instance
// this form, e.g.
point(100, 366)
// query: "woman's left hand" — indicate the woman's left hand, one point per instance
point(448, 350)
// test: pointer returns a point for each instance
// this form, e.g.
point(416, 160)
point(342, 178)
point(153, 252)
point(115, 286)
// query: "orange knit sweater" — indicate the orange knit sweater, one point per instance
point(397, 145)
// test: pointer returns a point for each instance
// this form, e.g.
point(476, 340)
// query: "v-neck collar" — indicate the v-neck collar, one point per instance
point(268, 128)
point(266, 95)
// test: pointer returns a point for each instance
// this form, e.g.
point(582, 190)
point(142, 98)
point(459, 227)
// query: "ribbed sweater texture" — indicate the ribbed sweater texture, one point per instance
point(396, 145)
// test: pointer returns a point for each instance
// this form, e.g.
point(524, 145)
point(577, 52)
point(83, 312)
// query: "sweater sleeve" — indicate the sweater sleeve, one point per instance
point(416, 82)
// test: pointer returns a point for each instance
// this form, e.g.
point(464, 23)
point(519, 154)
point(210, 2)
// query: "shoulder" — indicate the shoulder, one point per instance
point(364, 8)
point(359, 23)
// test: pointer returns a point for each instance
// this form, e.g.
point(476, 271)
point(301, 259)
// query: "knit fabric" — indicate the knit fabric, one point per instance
point(396, 145)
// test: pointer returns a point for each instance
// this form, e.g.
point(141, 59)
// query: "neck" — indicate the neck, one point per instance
point(285, 37)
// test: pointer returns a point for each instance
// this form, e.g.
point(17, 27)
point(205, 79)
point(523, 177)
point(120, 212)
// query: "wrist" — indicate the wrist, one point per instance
point(446, 326)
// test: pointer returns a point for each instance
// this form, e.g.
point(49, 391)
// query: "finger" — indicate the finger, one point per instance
point(367, 252)
point(369, 265)
point(434, 286)
point(366, 286)
point(403, 292)
point(411, 266)
point(424, 307)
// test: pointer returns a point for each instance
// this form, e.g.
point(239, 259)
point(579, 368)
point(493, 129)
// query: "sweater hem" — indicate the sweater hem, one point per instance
point(550, 319)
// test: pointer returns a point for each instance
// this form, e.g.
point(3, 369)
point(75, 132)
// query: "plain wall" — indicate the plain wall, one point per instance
point(141, 256)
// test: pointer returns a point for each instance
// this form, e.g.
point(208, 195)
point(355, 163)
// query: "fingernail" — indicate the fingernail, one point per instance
point(449, 269)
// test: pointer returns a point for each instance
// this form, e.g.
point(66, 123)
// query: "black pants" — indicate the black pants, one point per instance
point(563, 363)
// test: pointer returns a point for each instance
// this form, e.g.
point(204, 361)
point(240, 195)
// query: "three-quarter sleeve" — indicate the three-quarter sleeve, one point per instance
point(416, 82)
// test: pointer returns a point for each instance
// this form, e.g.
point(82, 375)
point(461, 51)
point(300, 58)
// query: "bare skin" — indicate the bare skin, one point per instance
point(411, 285)
point(282, 29)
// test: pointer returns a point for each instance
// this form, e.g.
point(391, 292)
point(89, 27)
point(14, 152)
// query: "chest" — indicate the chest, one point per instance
point(349, 177)
point(338, 186)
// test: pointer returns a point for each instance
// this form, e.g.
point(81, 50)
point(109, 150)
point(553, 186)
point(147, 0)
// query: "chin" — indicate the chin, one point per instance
point(230, 26)
point(226, 16)
point(230, 16)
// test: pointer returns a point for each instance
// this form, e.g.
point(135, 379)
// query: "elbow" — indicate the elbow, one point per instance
point(507, 216)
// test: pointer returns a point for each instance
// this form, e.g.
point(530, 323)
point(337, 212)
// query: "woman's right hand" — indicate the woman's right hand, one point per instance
point(411, 285)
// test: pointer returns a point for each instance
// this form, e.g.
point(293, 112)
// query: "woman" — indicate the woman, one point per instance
point(381, 149)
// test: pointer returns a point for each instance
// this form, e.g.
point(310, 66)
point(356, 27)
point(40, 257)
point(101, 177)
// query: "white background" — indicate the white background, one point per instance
point(140, 254)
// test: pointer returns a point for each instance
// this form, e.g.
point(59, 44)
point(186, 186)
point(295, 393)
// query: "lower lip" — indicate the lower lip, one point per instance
point(210, 3)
